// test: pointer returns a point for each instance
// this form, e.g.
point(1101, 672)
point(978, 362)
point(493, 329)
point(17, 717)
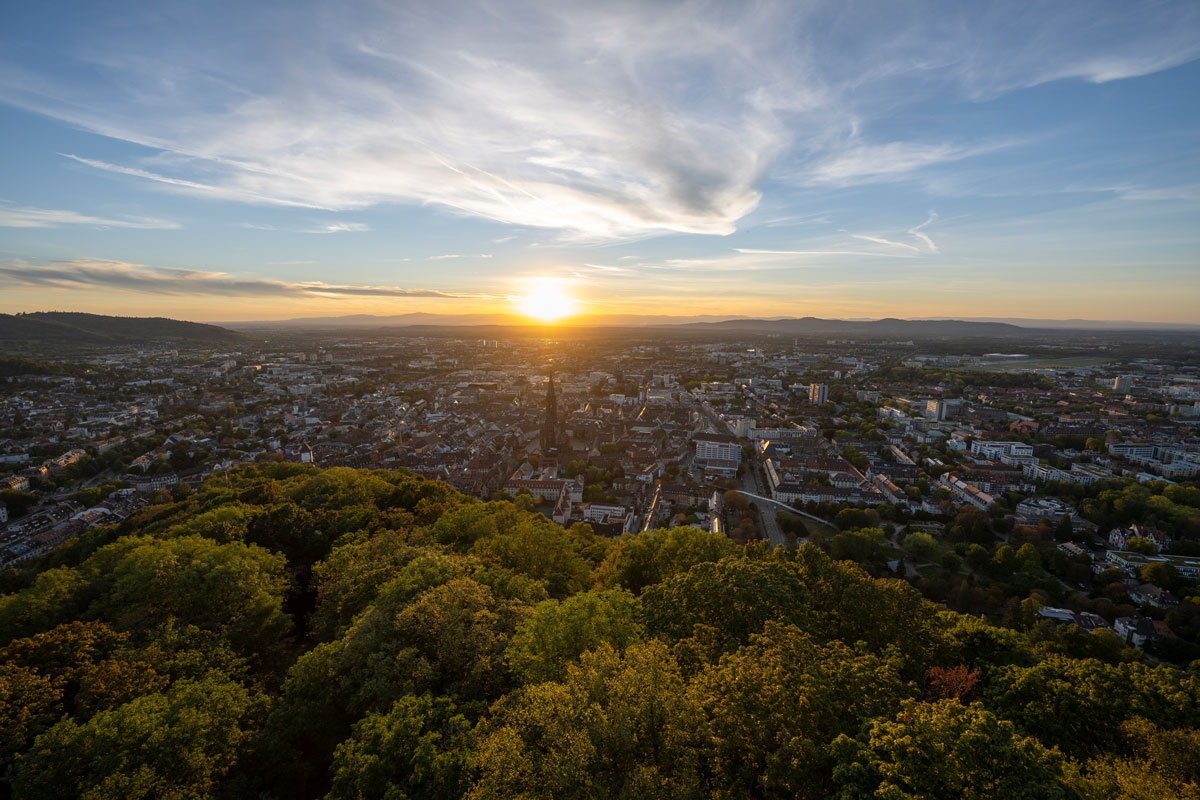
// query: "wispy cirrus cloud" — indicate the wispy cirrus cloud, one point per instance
point(30, 217)
point(924, 243)
point(598, 121)
point(861, 163)
point(328, 227)
point(454, 256)
point(918, 232)
point(96, 274)
point(219, 191)
point(340, 227)
point(886, 242)
point(866, 253)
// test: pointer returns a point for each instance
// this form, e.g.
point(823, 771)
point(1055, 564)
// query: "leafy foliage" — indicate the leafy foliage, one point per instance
point(291, 632)
point(946, 750)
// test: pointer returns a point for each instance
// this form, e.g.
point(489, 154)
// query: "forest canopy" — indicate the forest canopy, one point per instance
point(291, 632)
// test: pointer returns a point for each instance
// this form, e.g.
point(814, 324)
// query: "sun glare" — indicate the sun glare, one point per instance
point(545, 300)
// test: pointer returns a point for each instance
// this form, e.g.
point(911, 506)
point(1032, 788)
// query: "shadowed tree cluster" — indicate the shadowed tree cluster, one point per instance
point(290, 632)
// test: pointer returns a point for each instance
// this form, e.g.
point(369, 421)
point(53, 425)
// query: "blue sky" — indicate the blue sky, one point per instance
point(226, 161)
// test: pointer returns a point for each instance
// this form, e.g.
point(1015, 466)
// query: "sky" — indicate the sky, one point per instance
point(227, 161)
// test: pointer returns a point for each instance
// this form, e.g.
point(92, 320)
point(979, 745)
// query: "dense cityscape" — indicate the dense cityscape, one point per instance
point(1040, 493)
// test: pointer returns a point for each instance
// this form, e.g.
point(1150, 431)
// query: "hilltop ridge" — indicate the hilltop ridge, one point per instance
point(76, 328)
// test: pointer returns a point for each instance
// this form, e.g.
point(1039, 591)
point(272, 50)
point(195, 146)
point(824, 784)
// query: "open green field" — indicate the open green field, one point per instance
point(1043, 363)
point(828, 531)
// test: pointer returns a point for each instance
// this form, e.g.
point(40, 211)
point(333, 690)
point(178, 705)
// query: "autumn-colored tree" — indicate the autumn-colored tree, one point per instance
point(953, 683)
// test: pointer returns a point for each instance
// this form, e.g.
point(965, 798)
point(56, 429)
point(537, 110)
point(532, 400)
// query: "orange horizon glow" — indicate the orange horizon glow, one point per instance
point(546, 301)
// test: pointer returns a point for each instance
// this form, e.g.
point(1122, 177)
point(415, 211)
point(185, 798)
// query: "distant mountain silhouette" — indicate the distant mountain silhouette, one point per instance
point(889, 327)
point(425, 318)
point(699, 323)
point(67, 328)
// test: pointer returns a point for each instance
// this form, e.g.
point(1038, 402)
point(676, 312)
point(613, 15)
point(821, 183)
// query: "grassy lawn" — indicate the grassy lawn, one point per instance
point(1043, 363)
point(828, 531)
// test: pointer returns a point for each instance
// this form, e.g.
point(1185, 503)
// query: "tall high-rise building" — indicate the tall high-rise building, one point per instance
point(818, 393)
point(549, 439)
point(1122, 383)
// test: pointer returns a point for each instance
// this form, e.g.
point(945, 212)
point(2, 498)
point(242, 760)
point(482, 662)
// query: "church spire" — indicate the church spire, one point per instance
point(550, 424)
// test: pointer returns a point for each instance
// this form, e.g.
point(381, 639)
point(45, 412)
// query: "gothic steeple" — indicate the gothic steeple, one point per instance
point(549, 439)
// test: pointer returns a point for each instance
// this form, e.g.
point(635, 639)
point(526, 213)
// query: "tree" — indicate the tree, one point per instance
point(452, 638)
point(791, 524)
point(421, 747)
point(856, 458)
point(978, 645)
point(955, 683)
point(884, 615)
point(919, 545)
point(1079, 704)
point(178, 743)
point(448, 640)
point(863, 545)
point(29, 703)
point(951, 561)
point(622, 725)
point(1101, 644)
point(55, 595)
point(971, 525)
point(770, 735)
point(719, 606)
point(234, 589)
point(977, 557)
point(18, 502)
point(1161, 574)
point(946, 750)
point(1028, 558)
point(735, 500)
point(849, 519)
point(1004, 560)
point(540, 549)
point(1142, 545)
point(557, 633)
point(637, 562)
point(1159, 764)
point(1064, 530)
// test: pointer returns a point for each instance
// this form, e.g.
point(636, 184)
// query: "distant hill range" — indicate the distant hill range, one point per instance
point(887, 328)
point(890, 328)
point(424, 318)
point(69, 328)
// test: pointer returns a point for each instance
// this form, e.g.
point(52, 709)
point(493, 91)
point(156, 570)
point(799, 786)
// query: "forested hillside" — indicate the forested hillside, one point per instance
point(288, 632)
point(71, 328)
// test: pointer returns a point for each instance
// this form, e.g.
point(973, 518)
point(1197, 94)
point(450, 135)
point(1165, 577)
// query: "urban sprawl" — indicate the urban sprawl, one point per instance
point(1042, 494)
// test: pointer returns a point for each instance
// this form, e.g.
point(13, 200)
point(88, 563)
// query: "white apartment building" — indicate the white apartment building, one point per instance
point(996, 450)
point(1133, 451)
point(717, 447)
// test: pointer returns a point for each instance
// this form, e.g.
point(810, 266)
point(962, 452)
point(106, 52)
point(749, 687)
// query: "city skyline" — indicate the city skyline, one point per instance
point(770, 160)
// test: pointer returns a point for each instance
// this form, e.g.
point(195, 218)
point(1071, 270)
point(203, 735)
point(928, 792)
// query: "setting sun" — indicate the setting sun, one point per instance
point(545, 300)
